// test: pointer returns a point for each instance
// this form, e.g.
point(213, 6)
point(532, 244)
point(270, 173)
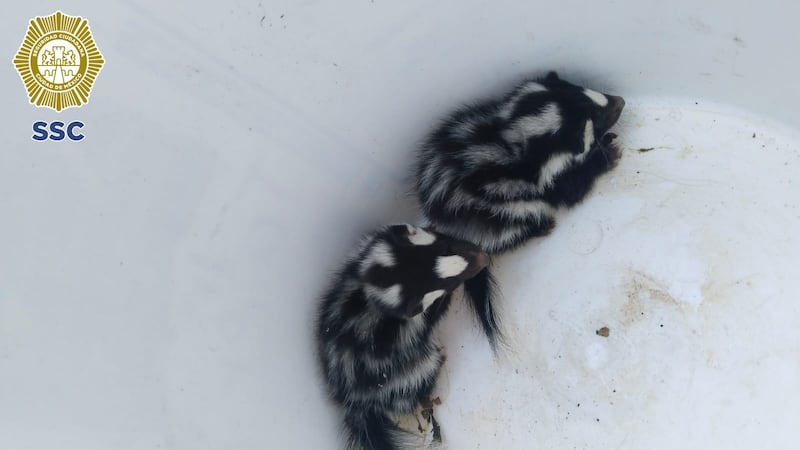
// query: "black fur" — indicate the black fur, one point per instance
point(376, 349)
point(480, 292)
point(495, 172)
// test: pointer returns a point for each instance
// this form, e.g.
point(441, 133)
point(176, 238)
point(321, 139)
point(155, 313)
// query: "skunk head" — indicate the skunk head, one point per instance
point(586, 115)
point(406, 269)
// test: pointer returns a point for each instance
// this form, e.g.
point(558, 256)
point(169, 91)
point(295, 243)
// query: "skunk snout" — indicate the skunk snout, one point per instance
point(615, 106)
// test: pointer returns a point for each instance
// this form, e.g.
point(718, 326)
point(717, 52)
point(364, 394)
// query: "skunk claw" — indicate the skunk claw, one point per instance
point(608, 137)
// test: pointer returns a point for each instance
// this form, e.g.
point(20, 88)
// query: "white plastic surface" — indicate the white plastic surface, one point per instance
point(158, 278)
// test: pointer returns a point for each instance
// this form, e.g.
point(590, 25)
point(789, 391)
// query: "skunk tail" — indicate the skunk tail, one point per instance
point(480, 291)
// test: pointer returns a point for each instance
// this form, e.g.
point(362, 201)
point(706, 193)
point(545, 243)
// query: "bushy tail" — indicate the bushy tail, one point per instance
point(480, 291)
point(374, 431)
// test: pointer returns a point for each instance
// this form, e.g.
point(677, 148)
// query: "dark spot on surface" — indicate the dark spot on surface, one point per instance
point(645, 150)
point(602, 332)
point(662, 325)
point(261, 22)
point(282, 16)
point(754, 135)
point(739, 41)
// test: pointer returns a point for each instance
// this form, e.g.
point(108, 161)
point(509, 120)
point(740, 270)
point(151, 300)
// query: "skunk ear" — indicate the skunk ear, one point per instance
point(552, 76)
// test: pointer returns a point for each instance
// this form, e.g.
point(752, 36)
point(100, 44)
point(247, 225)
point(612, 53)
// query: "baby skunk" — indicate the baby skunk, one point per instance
point(494, 173)
point(374, 334)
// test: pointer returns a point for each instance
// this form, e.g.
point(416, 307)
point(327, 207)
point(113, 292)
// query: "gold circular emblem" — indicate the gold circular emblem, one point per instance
point(58, 61)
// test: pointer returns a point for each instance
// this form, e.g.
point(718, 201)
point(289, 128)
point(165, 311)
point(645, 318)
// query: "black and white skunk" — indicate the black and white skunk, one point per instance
point(376, 348)
point(495, 172)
